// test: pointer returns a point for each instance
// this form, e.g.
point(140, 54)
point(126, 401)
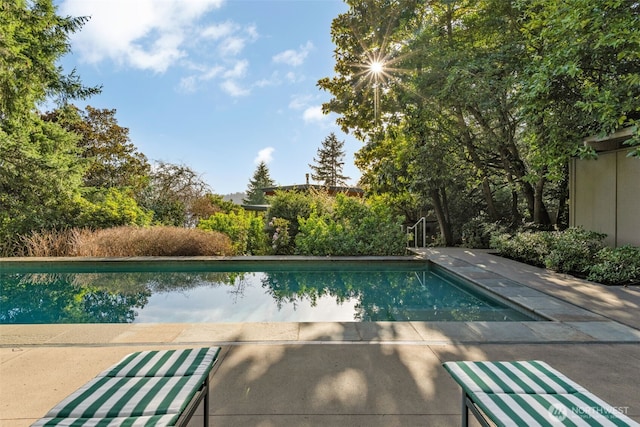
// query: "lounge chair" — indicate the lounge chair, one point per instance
point(158, 388)
point(529, 393)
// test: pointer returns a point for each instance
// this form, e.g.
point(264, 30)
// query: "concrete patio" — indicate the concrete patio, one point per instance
point(352, 374)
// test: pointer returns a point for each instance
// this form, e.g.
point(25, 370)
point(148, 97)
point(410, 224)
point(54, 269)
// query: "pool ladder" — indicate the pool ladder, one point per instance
point(414, 229)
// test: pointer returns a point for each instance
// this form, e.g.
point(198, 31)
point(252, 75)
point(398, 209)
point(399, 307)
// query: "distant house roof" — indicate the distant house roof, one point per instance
point(332, 190)
point(257, 208)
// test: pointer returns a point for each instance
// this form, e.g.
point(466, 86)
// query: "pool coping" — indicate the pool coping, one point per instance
point(567, 322)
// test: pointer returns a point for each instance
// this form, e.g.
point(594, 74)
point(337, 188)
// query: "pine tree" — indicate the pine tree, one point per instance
point(328, 165)
point(260, 180)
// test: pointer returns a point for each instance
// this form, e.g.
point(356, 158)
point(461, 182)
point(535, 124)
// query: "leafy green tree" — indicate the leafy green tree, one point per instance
point(584, 64)
point(173, 192)
point(113, 160)
point(473, 86)
point(261, 179)
point(328, 166)
point(111, 208)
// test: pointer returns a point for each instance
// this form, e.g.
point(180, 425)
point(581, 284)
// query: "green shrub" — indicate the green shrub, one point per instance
point(291, 205)
point(530, 248)
point(278, 233)
point(616, 266)
point(477, 232)
point(244, 229)
point(351, 228)
point(569, 251)
point(573, 250)
point(285, 210)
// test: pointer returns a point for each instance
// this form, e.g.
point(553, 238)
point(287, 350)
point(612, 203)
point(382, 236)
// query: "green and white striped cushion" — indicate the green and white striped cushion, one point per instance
point(154, 420)
point(579, 409)
point(532, 393)
point(144, 388)
point(162, 363)
point(511, 377)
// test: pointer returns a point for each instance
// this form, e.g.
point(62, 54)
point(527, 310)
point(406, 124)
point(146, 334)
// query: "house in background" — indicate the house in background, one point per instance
point(605, 192)
point(331, 190)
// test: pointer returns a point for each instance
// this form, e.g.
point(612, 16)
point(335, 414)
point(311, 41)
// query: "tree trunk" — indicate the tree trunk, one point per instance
point(443, 221)
point(478, 164)
point(488, 197)
point(510, 156)
point(520, 171)
point(562, 222)
point(516, 218)
point(540, 214)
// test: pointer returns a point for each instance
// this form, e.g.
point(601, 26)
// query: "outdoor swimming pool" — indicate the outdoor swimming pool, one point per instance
point(240, 291)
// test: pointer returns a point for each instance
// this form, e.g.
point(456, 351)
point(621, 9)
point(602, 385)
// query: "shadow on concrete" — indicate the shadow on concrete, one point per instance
point(368, 384)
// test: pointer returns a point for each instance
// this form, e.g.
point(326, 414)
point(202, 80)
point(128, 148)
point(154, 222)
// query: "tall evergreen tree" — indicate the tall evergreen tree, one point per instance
point(328, 166)
point(260, 180)
point(40, 175)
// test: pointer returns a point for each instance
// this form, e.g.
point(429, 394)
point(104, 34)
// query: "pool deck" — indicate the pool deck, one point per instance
point(355, 374)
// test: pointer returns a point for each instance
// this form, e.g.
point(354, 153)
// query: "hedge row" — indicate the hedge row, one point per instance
point(575, 251)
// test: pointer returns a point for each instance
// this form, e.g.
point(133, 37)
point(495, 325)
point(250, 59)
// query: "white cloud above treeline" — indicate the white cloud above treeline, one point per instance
point(265, 155)
point(144, 34)
point(154, 35)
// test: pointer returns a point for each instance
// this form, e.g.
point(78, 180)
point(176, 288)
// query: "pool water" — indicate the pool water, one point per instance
point(220, 291)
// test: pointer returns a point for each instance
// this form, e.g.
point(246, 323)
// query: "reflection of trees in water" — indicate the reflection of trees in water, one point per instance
point(295, 286)
point(381, 295)
point(93, 297)
point(239, 283)
point(57, 300)
point(117, 296)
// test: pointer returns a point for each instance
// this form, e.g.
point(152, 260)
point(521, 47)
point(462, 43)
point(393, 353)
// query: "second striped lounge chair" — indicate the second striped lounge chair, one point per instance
point(529, 393)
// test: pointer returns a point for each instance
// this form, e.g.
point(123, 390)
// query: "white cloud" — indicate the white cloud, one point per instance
point(313, 114)
point(298, 102)
point(211, 72)
point(218, 31)
point(238, 70)
point(294, 57)
point(232, 88)
point(264, 155)
point(232, 37)
point(144, 34)
point(188, 84)
point(232, 46)
point(295, 78)
point(273, 80)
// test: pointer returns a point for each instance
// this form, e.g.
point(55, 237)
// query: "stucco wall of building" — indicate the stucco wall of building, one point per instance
point(605, 196)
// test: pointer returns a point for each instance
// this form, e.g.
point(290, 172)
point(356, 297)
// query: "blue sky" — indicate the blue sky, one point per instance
point(217, 85)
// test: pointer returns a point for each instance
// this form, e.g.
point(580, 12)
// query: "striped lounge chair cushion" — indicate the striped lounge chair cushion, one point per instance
point(532, 393)
point(144, 388)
